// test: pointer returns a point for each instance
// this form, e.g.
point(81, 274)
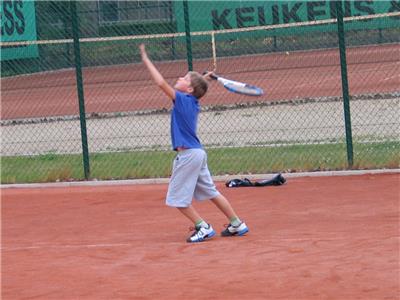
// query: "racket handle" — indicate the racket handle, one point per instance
point(213, 76)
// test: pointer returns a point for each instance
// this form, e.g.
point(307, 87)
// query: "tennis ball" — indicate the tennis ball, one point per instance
point(287, 52)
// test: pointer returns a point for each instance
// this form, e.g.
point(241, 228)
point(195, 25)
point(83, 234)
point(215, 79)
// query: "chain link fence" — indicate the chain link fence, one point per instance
point(114, 124)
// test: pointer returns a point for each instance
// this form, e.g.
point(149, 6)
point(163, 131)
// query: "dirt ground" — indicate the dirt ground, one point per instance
point(312, 238)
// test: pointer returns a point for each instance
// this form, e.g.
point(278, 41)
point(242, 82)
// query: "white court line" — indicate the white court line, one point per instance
point(22, 248)
point(270, 241)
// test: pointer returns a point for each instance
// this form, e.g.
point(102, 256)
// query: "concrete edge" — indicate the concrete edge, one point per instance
point(216, 178)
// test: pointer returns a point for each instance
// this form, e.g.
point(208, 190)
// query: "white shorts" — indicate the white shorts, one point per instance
point(190, 179)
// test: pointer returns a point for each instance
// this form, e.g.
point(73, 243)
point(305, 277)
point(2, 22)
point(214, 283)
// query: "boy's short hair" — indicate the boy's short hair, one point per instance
point(199, 84)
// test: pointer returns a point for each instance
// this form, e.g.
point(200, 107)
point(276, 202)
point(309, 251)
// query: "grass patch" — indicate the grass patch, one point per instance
point(157, 164)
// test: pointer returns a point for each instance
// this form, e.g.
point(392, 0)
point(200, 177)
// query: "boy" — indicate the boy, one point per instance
point(190, 175)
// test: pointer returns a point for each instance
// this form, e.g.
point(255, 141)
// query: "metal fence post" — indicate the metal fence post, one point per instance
point(345, 83)
point(171, 20)
point(79, 83)
point(188, 37)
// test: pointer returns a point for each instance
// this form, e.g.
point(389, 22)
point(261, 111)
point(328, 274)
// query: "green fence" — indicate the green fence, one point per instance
point(76, 102)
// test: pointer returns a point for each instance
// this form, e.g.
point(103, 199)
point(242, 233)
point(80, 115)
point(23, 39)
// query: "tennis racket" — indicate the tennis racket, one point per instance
point(238, 87)
point(231, 85)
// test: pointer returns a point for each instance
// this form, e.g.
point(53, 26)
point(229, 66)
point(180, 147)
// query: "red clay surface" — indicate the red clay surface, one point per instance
point(372, 69)
point(313, 238)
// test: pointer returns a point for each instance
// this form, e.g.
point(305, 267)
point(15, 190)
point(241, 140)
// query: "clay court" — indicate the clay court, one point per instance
point(313, 238)
point(302, 74)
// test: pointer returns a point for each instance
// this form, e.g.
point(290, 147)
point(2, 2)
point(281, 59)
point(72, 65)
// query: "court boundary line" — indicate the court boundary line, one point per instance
point(220, 178)
point(42, 246)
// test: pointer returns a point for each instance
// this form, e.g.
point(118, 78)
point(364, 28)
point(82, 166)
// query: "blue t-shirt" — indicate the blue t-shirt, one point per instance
point(184, 117)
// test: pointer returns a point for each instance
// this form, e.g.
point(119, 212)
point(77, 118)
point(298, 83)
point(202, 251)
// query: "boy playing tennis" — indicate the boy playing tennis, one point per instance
point(190, 175)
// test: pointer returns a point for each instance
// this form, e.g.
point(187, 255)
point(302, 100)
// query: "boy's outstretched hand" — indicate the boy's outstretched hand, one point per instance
point(142, 48)
point(209, 75)
point(155, 74)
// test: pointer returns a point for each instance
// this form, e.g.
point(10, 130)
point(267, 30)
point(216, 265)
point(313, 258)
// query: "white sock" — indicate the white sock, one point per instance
point(235, 221)
point(202, 224)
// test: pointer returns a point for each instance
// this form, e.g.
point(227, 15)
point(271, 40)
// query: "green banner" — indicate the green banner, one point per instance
point(220, 15)
point(18, 23)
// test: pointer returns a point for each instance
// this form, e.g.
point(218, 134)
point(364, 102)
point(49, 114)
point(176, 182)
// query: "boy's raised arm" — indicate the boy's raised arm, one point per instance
point(156, 75)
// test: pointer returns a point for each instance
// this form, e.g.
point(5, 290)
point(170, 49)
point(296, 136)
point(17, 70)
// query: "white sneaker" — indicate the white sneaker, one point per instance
point(201, 234)
point(231, 230)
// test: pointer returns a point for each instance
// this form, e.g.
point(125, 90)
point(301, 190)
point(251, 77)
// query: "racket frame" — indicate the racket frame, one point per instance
point(231, 84)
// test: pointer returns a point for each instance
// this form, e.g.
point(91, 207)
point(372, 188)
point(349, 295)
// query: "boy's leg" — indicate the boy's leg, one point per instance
point(223, 204)
point(191, 214)
point(205, 189)
point(236, 226)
